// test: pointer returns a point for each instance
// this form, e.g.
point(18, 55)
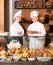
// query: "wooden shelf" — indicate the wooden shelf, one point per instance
point(34, 8)
point(33, 4)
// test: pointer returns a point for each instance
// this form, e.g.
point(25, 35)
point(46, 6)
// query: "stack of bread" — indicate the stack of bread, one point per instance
point(14, 44)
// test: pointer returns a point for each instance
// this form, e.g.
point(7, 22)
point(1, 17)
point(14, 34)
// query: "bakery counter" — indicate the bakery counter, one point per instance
point(27, 63)
point(15, 52)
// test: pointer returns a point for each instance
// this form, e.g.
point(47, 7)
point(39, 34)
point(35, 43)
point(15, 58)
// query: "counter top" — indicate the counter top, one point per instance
point(26, 63)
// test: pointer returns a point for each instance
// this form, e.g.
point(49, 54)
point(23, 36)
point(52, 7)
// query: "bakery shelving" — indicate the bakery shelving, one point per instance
point(33, 4)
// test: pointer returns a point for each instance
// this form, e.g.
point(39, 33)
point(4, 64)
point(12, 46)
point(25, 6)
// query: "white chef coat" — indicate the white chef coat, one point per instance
point(33, 41)
point(15, 28)
point(37, 26)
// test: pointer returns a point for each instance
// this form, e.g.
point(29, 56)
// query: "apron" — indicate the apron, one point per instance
point(36, 42)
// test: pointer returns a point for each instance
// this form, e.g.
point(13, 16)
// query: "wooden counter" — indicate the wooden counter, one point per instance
point(27, 63)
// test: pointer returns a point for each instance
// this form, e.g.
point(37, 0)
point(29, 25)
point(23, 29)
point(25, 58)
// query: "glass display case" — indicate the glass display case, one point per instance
point(26, 48)
point(26, 40)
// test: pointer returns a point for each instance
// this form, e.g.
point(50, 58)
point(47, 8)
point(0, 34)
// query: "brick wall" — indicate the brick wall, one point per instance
point(2, 15)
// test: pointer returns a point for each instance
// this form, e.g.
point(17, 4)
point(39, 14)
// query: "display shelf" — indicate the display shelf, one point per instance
point(33, 4)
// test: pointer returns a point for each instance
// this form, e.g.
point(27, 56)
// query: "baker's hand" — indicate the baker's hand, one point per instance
point(19, 33)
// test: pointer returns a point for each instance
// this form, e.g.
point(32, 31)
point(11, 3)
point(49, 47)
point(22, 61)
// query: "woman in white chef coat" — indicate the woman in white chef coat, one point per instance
point(36, 29)
point(15, 28)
